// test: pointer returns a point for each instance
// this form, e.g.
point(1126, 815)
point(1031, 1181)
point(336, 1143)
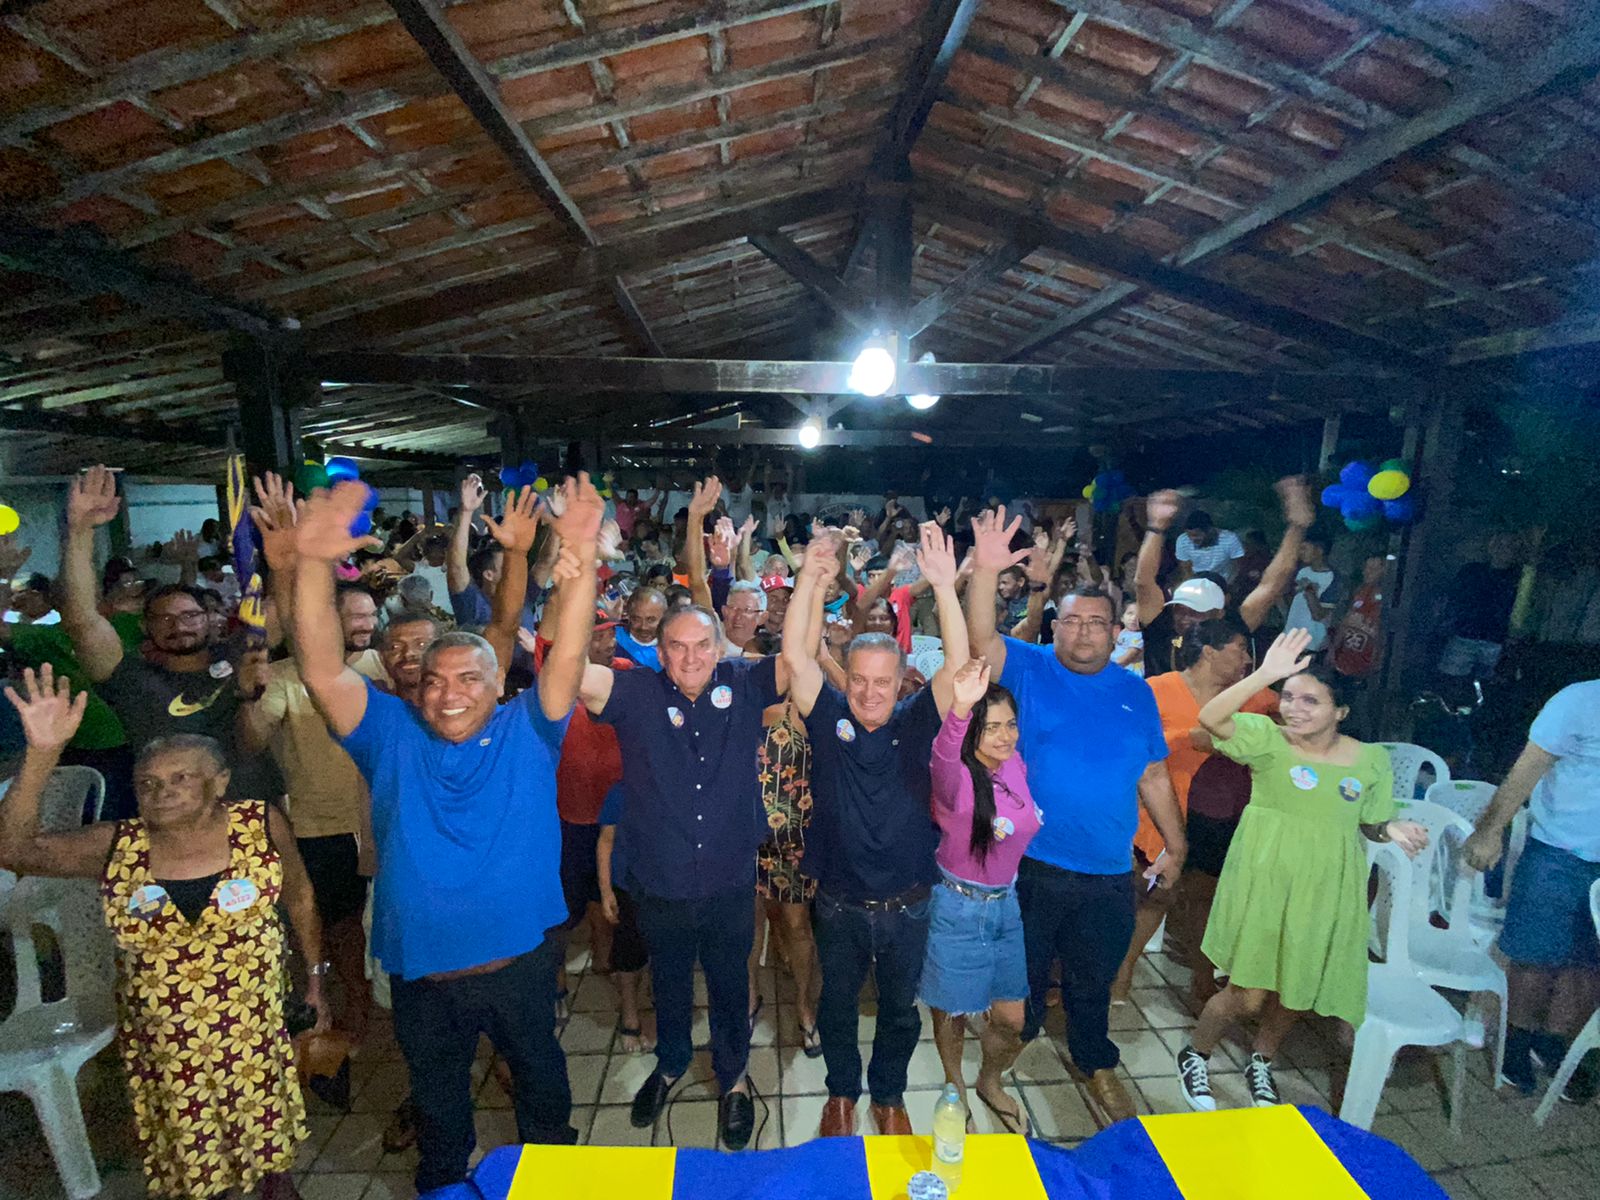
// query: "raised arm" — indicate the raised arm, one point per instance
point(322, 538)
point(701, 503)
point(92, 501)
point(936, 557)
point(274, 516)
point(456, 575)
point(1298, 514)
point(562, 678)
point(50, 717)
point(991, 554)
point(514, 532)
point(901, 559)
point(745, 562)
point(1288, 655)
point(184, 549)
point(1043, 563)
point(799, 635)
point(1483, 847)
point(1161, 510)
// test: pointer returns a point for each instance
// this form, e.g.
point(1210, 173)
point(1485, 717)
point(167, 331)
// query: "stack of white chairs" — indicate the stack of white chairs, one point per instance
point(1407, 761)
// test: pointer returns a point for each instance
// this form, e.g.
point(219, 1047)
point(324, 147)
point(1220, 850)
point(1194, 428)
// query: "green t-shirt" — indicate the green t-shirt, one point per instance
point(36, 645)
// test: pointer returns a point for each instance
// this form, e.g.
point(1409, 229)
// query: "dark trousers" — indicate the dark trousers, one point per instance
point(1087, 922)
point(437, 1023)
point(718, 930)
point(851, 941)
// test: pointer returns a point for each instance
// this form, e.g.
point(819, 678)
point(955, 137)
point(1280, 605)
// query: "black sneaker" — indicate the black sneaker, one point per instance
point(736, 1119)
point(1517, 1069)
point(650, 1099)
point(1194, 1076)
point(1263, 1089)
point(1585, 1081)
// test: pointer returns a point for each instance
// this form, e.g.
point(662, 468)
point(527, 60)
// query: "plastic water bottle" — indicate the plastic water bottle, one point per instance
point(949, 1136)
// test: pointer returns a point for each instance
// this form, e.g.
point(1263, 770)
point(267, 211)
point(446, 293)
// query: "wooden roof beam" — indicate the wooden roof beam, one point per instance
point(815, 277)
point(981, 273)
point(946, 25)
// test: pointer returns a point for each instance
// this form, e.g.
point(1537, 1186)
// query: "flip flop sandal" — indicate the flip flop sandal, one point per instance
point(810, 1041)
point(633, 1032)
point(1016, 1122)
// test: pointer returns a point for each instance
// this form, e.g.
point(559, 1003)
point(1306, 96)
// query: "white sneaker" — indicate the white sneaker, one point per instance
point(1194, 1076)
point(1263, 1089)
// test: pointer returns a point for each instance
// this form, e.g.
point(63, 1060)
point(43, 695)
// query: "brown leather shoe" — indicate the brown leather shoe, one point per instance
point(1111, 1097)
point(891, 1120)
point(838, 1118)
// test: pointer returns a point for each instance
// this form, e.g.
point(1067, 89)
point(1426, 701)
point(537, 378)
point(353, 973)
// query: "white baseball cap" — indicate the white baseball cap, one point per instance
point(1201, 595)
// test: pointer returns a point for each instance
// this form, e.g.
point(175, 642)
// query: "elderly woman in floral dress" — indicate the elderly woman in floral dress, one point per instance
point(190, 889)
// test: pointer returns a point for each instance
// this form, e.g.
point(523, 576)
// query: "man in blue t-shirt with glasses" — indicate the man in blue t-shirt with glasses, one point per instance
point(1095, 751)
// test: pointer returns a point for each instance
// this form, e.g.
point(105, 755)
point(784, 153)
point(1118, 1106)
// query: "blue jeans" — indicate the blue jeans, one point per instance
point(1087, 922)
point(718, 930)
point(851, 941)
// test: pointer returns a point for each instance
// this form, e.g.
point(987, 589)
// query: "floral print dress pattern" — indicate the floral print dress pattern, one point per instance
point(200, 1010)
point(785, 762)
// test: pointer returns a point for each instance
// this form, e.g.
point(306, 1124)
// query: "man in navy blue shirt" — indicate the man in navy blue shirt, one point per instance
point(693, 822)
point(871, 841)
point(1095, 751)
point(464, 821)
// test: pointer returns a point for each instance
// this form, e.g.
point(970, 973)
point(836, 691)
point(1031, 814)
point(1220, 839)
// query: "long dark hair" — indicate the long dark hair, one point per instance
point(982, 782)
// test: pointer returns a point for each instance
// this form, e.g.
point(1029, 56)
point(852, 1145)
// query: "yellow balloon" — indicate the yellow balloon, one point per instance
point(1389, 485)
point(9, 521)
point(541, 484)
point(1088, 490)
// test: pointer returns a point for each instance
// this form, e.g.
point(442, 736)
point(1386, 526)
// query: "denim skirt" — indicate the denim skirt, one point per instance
point(975, 954)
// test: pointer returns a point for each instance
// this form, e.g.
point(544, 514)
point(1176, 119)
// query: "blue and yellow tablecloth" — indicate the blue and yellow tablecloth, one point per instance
point(1238, 1154)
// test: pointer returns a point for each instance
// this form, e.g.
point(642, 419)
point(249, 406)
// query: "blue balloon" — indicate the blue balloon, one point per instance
point(1355, 475)
point(509, 476)
point(371, 500)
point(527, 473)
point(339, 468)
point(1359, 506)
point(1400, 510)
point(1333, 495)
point(362, 525)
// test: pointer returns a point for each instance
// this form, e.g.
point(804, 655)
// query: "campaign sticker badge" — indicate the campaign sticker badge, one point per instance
point(675, 715)
point(220, 670)
point(721, 696)
point(1003, 828)
point(147, 901)
point(1303, 777)
point(845, 730)
point(1350, 788)
point(235, 895)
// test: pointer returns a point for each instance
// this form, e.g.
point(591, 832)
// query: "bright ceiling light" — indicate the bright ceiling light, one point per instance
point(922, 400)
point(810, 433)
point(872, 374)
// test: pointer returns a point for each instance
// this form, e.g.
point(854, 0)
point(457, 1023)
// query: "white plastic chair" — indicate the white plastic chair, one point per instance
point(66, 793)
point(1406, 760)
point(43, 1045)
point(1588, 1037)
point(1401, 1009)
point(1453, 957)
point(1467, 798)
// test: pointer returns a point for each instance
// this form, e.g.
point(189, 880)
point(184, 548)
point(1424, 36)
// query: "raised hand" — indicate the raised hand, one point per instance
point(903, 558)
point(49, 711)
point(991, 540)
point(92, 499)
point(857, 517)
point(608, 544)
point(748, 529)
point(821, 557)
point(942, 517)
point(12, 555)
point(184, 546)
point(1287, 655)
point(567, 566)
point(516, 528)
point(706, 495)
point(1295, 495)
point(577, 512)
point(322, 533)
point(472, 495)
point(276, 497)
point(971, 683)
point(276, 524)
point(1068, 529)
point(1045, 561)
point(723, 538)
point(936, 556)
point(527, 639)
point(1162, 509)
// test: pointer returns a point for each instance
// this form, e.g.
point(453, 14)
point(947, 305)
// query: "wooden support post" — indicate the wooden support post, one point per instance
point(272, 383)
point(1330, 441)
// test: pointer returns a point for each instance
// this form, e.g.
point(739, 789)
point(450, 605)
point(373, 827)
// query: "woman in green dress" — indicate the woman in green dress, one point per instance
point(1289, 925)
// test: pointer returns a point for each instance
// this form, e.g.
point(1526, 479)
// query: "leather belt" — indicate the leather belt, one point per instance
point(973, 892)
point(898, 903)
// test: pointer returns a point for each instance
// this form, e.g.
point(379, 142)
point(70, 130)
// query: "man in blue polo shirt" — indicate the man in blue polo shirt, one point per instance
point(872, 839)
point(464, 821)
point(1092, 739)
point(693, 821)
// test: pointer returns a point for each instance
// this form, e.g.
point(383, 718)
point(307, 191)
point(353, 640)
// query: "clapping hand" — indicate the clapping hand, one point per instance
point(1287, 655)
point(518, 525)
point(936, 557)
point(50, 712)
point(971, 683)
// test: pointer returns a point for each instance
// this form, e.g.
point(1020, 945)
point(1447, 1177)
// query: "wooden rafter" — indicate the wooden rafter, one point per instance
point(818, 280)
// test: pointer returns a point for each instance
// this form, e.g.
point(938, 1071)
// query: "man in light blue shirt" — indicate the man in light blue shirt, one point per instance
point(1553, 979)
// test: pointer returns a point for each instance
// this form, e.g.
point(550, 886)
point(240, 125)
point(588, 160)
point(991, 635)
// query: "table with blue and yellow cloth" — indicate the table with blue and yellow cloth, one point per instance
point(1237, 1154)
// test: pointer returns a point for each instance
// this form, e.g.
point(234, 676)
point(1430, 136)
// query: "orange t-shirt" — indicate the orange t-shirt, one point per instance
point(1180, 712)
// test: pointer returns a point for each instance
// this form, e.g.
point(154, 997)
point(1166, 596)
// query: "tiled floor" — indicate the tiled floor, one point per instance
point(1499, 1155)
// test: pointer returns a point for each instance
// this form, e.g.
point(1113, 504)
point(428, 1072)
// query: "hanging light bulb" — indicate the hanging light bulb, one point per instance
point(922, 400)
point(810, 433)
point(872, 373)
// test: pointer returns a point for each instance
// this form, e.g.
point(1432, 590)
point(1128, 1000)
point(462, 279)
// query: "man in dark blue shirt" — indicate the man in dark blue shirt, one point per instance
point(871, 841)
point(465, 823)
point(693, 822)
point(1092, 739)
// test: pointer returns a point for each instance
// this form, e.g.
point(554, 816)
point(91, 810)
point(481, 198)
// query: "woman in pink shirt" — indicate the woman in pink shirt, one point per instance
point(975, 962)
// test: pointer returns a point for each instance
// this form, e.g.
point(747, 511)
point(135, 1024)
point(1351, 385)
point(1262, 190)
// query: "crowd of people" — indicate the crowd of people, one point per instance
point(980, 758)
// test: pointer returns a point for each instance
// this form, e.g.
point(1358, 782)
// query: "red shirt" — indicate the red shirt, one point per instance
point(591, 758)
